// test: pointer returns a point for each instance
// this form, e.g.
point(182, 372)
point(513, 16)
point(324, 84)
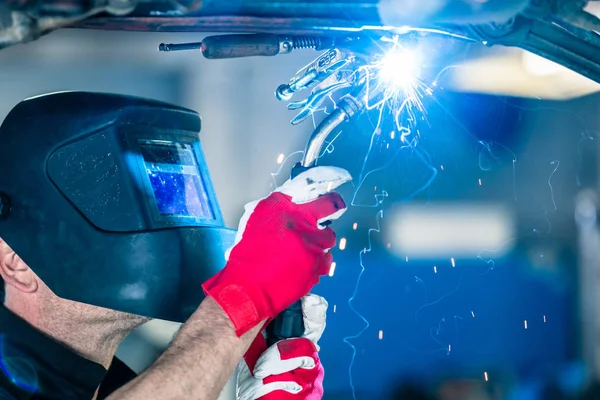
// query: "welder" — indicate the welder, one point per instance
point(108, 219)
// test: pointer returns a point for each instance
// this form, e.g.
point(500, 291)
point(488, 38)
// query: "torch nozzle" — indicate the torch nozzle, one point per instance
point(347, 108)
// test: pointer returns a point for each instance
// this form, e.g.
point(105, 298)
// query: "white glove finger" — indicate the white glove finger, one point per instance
point(247, 390)
point(290, 387)
point(331, 217)
point(270, 363)
point(248, 210)
point(314, 312)
point(246, 384)
point(315, 182)
point(284, 366)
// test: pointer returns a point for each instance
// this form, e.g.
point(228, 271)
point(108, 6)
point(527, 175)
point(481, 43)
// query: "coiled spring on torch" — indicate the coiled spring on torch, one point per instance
point(306, 42)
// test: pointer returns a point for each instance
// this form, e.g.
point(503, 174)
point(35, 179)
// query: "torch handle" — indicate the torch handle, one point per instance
point(289, 324)
point(240, 45)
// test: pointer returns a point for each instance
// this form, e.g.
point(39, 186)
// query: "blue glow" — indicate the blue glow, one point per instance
point(175, 179)
point(400, 68)
point(18, 370)
point(180, 194)
point(485, 319)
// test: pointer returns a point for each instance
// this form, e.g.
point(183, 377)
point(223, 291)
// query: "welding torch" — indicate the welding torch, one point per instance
point(290, 324)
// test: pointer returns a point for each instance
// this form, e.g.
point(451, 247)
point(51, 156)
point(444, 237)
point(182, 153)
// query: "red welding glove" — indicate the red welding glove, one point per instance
point(281, 248)
point(290, 369)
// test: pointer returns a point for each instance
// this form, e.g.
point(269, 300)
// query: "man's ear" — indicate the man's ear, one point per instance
point(15, 272)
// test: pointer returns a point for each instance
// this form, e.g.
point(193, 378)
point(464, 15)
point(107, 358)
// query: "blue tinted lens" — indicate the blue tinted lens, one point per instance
point(180, 194)
point(176, 180)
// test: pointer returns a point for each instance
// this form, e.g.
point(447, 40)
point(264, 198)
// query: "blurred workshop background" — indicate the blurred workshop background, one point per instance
point(479, 271)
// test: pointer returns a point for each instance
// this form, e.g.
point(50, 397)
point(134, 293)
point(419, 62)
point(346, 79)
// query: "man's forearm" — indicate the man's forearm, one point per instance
point(197, 364)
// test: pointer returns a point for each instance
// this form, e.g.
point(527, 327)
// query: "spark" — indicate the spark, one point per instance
point(366, 326)
point(479, 181)
point(544, 319)
point(435, 333)
point(332, 269)
point(525, 324)
point(485, 376)
point(380, 335)
point(435, 269)
point(334, 307)
point(473, 314)
point(456, 289)
point(557, 163)
point(342, 243)
point(442, 167)
point(489, 148)
point(453, 263)
point(280, 158)
point(355, 226)
point(275, 174)
point(394, 80)
point(490, 261)
point(415, 151)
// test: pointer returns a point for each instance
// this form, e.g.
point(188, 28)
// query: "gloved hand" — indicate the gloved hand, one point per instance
point(281, 248)
point(290, 369)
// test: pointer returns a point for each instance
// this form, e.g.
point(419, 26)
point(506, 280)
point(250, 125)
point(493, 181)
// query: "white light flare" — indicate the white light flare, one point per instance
point(280, 158)
point(332, 269)
point(525, 324)
point(380, 335)
point(485, 376)
point(400, 68)
point(450, 231)
point(342, 243)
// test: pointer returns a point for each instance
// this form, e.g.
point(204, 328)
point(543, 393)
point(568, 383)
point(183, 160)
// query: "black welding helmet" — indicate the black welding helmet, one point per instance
point(108, 199)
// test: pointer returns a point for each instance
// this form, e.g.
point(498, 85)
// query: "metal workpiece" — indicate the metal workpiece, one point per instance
point(558, 41)
point(559, 30)
point(27, 20)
